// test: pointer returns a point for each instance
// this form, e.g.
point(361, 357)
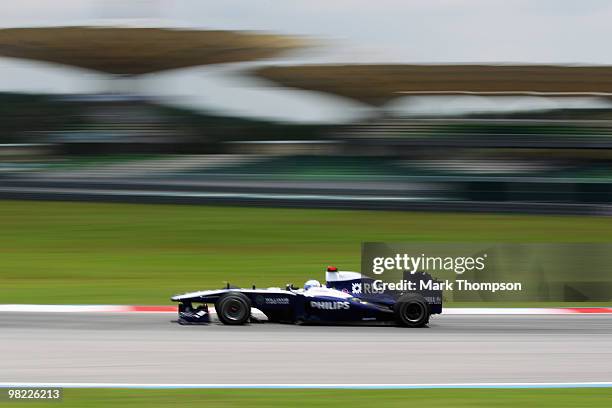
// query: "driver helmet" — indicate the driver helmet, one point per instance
point(312, 284)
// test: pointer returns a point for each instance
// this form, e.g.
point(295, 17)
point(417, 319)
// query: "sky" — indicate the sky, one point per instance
point(433, 31)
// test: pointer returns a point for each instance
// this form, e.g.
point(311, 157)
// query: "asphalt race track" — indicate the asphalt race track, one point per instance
point(150, 348)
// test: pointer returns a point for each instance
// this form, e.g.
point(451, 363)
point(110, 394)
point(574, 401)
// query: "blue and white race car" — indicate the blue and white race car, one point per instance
point(346, 298)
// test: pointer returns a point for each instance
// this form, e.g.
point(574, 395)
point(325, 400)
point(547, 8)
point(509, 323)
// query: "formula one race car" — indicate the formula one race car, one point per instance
point(347, 298)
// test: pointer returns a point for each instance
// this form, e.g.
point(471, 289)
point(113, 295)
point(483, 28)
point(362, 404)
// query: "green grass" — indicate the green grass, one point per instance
point(501, 398)
point(63, 253)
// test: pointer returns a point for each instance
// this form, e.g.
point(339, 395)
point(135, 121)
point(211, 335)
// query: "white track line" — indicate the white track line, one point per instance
point(31, 308)
point(311, 386)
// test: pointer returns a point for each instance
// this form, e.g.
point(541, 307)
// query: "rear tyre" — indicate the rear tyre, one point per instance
point(412, 310)
point(233, 308)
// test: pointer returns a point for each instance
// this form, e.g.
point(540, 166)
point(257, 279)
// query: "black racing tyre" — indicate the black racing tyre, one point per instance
point(233, 308)
point(412, 310)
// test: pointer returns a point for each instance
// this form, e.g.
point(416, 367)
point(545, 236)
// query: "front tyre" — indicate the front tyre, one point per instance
point(412, 310)
point(233, 308)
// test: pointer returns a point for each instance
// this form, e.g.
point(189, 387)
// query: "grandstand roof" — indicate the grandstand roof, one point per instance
point(378, 84)
point(133, 51)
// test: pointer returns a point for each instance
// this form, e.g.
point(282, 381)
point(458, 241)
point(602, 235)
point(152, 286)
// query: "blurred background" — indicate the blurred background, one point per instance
point(176, 99)
point(444, 106)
